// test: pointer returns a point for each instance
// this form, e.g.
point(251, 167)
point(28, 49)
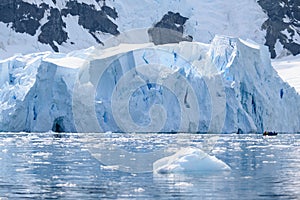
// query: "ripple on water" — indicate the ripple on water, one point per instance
point(39, 165)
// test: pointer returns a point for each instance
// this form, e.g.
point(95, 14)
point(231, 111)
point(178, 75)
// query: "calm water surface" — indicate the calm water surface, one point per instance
point(42, 166)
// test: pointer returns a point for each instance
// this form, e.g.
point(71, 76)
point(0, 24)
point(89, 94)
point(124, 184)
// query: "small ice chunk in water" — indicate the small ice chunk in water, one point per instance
point(189, 160)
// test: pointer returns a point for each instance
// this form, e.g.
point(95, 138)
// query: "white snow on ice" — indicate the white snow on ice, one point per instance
point(288, 69)
point(189, 160)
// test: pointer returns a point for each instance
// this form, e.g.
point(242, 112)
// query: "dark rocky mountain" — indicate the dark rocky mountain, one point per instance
point(283, 24)
point(169, 29)
point(26, 17)
point(53, 30)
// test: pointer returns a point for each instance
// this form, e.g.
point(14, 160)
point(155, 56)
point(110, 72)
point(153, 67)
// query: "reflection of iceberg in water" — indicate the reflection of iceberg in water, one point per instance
point(136, 153)
point(189, 160)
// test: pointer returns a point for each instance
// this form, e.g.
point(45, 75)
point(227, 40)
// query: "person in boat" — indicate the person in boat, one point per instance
point(269, 133)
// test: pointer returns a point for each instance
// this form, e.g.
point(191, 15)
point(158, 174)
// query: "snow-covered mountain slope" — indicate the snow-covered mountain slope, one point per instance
point(29, 26)
point(289, 70)
point(227, 86)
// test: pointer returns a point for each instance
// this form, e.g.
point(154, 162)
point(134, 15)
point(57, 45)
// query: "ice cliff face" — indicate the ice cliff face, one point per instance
point(34, 94)
point(227, 86)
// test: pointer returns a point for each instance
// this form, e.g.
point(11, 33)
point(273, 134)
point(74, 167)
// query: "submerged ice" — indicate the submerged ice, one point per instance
point(227, 86)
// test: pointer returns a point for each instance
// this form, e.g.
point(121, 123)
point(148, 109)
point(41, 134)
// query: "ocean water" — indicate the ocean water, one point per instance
point(76, 166)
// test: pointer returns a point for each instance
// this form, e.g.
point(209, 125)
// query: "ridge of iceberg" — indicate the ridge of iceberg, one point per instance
point(225, 87)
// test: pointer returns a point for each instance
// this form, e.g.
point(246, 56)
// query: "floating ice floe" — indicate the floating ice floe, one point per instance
point(189, 160)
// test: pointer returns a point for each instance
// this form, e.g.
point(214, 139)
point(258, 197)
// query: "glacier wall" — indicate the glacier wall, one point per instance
point(35, 94)
point(227, 86)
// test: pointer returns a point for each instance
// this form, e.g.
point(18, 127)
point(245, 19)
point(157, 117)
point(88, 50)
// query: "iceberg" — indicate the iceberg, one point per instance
point(227, 86)
point(189, 160)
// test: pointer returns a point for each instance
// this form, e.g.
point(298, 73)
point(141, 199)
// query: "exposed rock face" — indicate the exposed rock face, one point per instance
point(110, 11)
point(169, 29)
point(53, 30)
point(283, 24)
point(26, 18)
point(92, 19)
